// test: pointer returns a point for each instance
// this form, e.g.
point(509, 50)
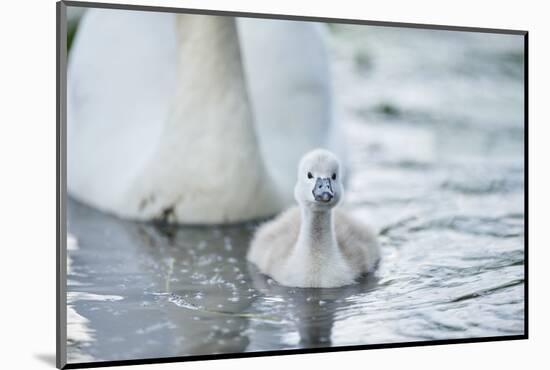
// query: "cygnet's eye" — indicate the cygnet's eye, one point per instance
point(309, 175)
point(334, 176)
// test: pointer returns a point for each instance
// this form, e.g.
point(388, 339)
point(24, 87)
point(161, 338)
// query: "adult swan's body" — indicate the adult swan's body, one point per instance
point(167, 120)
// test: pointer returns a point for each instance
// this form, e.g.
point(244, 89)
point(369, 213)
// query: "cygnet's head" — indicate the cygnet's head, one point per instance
point(319, 183)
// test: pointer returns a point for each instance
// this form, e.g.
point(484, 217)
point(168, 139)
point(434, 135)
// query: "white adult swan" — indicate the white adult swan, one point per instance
point(313, 245)
point(166, 120)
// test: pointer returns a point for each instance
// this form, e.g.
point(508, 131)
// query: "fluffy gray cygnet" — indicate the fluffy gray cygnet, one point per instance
point(314, 245)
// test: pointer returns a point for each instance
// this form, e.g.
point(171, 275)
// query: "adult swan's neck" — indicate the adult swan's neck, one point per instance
point(208, 143)
point(210, 77)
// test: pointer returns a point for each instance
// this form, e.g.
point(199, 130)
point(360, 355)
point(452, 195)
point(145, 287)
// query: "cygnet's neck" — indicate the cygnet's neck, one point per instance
point(317, 235)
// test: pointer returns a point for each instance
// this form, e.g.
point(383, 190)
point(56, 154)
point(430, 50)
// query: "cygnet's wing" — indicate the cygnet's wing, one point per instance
point(357, 242)
point(274, 240)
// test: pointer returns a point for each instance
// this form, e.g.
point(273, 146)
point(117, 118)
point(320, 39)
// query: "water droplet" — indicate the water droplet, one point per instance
point(227, 244)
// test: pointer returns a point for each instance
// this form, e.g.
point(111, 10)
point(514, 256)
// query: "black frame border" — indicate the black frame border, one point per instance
point(61, 190)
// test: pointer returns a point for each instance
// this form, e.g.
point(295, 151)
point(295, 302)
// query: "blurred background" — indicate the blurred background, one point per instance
point(435, 128)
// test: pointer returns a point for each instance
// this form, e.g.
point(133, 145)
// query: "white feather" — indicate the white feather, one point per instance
point(165, 119)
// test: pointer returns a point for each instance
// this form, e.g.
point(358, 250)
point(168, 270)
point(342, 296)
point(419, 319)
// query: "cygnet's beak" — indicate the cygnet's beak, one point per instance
point(322, 192)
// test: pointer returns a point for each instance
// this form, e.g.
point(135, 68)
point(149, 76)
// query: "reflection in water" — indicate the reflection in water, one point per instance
point(306, 311)
point(436, 164)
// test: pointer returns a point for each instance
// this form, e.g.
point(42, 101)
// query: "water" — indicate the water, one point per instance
point(435, 127)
